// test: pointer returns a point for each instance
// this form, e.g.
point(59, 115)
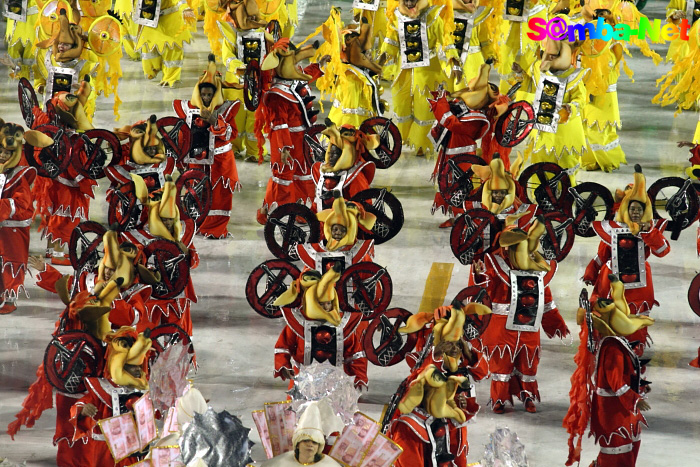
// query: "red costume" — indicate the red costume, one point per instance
point(514, 354)
point(15, 220)
point(216, 158)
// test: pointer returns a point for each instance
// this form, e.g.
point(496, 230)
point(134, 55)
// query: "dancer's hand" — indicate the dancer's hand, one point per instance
point(37, 262)
point(643, 406)
point(88, 410)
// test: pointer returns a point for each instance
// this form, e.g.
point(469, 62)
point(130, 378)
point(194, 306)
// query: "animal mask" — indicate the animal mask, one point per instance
point(494, 177)
point(146, 147)
point(356, 43)
point(638, 193)
point(482, 95)
point(244, 14)
point(346, 143)
point(465, 5)
point(126, 347)
point(521, 247)
point(12, 138)
point(556, 55)
point(163, 208)
point(283, 58)
point(611, 317)
point(413, 8)
point(71, 107)
point(306, 279)
point(65, 33)
point(349, 215)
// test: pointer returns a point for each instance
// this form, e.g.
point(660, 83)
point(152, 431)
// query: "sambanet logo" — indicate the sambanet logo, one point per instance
point(558, 30)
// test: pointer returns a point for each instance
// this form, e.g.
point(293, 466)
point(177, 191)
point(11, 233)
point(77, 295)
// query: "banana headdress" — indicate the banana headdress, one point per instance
point(143, 135)
point(317, 289)
point(521, 247)
point(349, 215)
point(283, 58)
point(119, 257)
point(611, 317)
point(345, 144)
point(559, 50)
point(165, 207)
point(126, 347)
point(494, 177)
point(71, 107)
point(12, 138)
point(212, 78)
point(637, 193)
point(65, 33)
point(245, 14)
point(480, 94)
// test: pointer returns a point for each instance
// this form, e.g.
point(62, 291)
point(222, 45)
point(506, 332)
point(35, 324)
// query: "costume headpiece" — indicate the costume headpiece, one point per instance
point(522, 246)
point(323, 291)
point(71, 107)
point(65, 32)
point(637, 193)
point(310, 427)
point(349, 215)
point(243, 13)
point(143, 134)
point(165, 207)
point(494, 177)
point(126, 347)
point(561, 49)
point(12, 138)
point(212, 77)
point(283, 58)
point(350, 142)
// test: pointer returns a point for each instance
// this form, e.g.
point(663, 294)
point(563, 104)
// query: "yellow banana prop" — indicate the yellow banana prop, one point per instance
point(637, 193)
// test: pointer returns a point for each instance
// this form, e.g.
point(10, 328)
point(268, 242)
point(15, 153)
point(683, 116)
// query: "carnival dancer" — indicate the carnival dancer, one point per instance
point(162, 37)
point(212, 121)
point(374, 11)
point(129, 29)
point(471, 36)
point(607, 390)
point(285, 112)
point(333, 334)
point(417, 36)
point(625, 246)
point(15, 209)
point(244, 40)
point(21, 36)
point(517, 279)
point(677, 11)
point(430, 422)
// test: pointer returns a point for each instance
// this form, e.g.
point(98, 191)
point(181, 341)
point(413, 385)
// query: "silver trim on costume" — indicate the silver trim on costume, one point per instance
point(369, 5)
point(512, 325)
point(425, 50)
point(614, 258)
point(548, 78)
point(22, 17)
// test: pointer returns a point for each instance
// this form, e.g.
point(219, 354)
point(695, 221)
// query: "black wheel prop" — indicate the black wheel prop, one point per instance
point(383, 204)
point(473, 234)
point(456, 180)
point(176, 136)
point(558, 237)
point(93, 151)
point(51, 161)
point(268, 281)
point(288, 226)
point(166, 335)
point(195, 195)
point(674, 199)
point(547, 185)
point(591, 202)
point(515, 125)
point(474, 325)
point(85, 246)
point(166, 257)
point(27, 100)
point(383, 344)
point(390, 141)
point(71, 357)
point(314, 144)
point(125, 209)
point(365, 288)
point(251, 85)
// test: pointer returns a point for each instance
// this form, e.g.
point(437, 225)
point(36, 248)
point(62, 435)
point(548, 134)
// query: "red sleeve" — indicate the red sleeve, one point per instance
point(19, 207)
point(280, 137)
point(313, 70)
point(695, 155)
point(194, 257)
point(285, 347)
point(590, 276)
point(613, 376)
point(177, 107)
point(82, 425)
point(355, 363)
point(225, 128)
point(40, 117)
point(656, 241)
point(47, 278)
point(552, 322)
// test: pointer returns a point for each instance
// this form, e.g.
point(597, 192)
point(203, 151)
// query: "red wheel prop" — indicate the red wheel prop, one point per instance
point(456, 180)
point(474, 325)
point(390, 141)
point(166, 257)
point(547, 185)
point(95, 150)
point(176, 136)
point(71, 357)
point(558, 237)
point(85, 246)
point(195, 195)
point(592, 202)
point(473, 235)
point(268, 281)
point(51, 161)
point(125, 209)
point(383, 344)
point(166, 335)
point(366, 288)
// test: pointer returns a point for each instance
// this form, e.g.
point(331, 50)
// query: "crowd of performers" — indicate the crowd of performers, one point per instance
point(172, 178)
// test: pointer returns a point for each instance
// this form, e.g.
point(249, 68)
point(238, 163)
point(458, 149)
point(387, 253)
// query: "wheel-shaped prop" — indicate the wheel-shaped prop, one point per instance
point(390, 141)
point(474, 325)
point(457, 182)
point(166, 335)
point(314, 144)
point(473, 235)
point(71, 357)
point(85, 246)
point(195, 192)
point(51, 161)
point(176, 136)
point(365, 288)
point(93, 151)
point(515, 124)
point(166, 257)
point(383, 344)
point(27, 100)
point(125, 209)
point(558, 237)
point(591, 202)
point(387, 207)
point(268, 281)
point(674, 199)
point(547, 185)
point(694, 295)
point(288, 226)
point(251, 85)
